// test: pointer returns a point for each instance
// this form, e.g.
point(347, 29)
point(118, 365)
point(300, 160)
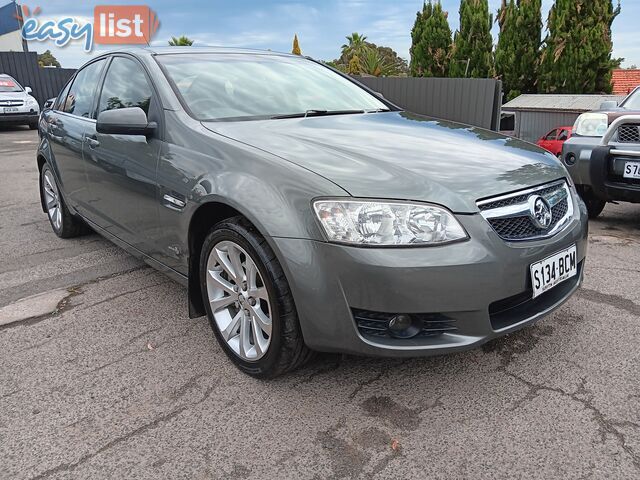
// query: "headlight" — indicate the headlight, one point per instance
point(591, 125)
point(371, 222)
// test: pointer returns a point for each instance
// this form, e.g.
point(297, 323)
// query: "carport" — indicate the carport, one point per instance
point(535, 115)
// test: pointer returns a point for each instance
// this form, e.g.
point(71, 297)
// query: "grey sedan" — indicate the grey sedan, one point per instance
point(305, 212)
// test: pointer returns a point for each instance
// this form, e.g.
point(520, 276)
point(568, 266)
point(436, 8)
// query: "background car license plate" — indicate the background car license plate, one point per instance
point(554, 270)
point(10, 109)
point(631, 170)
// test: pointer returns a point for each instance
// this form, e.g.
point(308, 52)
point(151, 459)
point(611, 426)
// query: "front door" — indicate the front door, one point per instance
point(122, 168)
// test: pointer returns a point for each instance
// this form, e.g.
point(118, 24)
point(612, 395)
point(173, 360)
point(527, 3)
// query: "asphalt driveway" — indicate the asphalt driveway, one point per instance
point(107, 377)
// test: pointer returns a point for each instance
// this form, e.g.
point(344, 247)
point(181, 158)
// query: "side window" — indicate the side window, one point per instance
point(81, 94)
point(125, 85)
point(58, 104)
point(551, 135)
point(563, 135)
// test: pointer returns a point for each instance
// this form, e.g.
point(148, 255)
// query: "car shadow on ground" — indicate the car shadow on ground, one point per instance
point(13, 128)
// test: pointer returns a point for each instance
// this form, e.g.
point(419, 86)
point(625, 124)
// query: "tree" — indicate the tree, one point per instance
point(517, 54)
point(355, 45)
point(354, 66)
point(181, 41)
point(430, 42)
point(384, 57)
point(472, 53)
point(296, 46)
point(47, 59)
point(576, 55)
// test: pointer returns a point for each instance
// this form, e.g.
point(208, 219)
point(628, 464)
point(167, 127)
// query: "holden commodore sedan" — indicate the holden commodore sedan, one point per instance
point(303, 211)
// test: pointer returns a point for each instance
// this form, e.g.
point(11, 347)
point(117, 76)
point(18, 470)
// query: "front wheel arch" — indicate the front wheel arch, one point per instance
point(203, 219)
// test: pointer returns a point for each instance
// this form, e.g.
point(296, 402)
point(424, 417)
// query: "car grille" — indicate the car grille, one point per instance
point(11, 103)
point(511, 218)
point(374, 324)
point(629, 133)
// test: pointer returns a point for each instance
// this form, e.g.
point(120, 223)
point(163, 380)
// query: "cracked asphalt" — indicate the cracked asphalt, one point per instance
point(118, 382)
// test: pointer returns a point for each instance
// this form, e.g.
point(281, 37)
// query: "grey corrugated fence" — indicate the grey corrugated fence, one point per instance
point(45, 82)
point(474, 101)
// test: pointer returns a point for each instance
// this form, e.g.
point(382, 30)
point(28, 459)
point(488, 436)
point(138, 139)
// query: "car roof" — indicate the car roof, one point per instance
point(151, 50)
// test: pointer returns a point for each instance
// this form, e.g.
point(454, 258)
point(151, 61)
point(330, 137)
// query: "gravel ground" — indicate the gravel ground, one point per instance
point(118, 382)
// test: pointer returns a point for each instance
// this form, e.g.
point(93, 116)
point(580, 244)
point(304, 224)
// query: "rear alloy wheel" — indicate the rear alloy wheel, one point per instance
point(248, 301)
point(62, 222)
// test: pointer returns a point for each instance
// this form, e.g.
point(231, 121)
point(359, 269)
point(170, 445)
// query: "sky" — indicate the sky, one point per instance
point(321, 25)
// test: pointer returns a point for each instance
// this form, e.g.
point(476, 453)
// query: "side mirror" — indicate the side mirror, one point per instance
point(608, 105)
point(125, 121)
point(28, 89)
point(49, 103)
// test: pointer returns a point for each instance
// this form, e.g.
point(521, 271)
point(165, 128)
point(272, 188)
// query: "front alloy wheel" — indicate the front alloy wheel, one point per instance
point(248, 301)
point(239, 300)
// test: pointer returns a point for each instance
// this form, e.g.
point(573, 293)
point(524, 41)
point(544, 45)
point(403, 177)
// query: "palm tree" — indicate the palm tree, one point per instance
point(355, 46)
point(182, 41)
point(372, 63)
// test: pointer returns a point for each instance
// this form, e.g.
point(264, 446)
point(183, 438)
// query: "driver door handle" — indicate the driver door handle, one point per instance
point(93, 143)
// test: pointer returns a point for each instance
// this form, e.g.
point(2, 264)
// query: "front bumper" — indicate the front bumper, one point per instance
point(606, 175)
point(19, 118)
point(460, 281)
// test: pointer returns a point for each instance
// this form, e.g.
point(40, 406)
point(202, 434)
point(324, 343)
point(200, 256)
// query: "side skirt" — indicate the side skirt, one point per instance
point(152, 262)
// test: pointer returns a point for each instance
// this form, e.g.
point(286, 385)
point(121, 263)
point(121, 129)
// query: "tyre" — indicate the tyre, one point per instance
point(63, 223)
point(594, 204)
point(249, 302)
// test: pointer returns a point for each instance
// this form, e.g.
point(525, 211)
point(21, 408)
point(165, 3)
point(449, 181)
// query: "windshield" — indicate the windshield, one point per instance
point(231, 86)
point(8, 84)
point(633, 101)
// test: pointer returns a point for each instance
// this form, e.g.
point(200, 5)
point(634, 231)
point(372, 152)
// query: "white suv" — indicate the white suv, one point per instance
point(17, 107)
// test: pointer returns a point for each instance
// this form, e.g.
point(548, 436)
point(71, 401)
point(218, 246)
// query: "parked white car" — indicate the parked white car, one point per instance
point(17, 106)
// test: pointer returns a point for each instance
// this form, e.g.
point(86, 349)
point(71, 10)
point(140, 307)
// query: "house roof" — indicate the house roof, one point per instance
point(624, 81)
point(558, 103)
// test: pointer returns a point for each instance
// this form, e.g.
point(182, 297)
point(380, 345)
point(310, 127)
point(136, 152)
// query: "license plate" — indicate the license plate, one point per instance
point(553, 270)
point(631, 170)
point(10, 110)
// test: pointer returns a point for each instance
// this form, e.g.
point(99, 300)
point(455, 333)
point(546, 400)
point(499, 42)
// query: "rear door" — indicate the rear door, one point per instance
point(66, 127)
point(121, 169)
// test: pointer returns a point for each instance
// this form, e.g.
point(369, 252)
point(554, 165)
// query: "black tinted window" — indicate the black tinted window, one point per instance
point(80, 98)
point(60, 100)
point(125, 85)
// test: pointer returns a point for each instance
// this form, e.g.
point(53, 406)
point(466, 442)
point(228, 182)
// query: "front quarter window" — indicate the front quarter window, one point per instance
point(249, 86)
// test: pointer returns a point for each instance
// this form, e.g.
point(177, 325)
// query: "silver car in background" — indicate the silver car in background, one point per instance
point(303, 211)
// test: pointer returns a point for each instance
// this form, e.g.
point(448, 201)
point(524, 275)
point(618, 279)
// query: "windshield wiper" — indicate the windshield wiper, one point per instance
point(316, 113)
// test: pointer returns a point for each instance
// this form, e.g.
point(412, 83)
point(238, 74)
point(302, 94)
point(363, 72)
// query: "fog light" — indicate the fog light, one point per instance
point(403, 326)
point(570, 159)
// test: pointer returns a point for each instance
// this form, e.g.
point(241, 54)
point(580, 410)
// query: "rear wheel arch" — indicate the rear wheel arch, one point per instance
point(41, 162)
